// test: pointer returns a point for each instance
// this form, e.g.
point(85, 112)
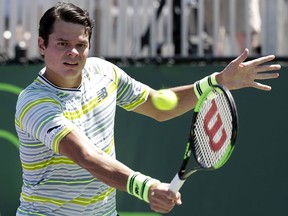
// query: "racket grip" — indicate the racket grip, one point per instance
point(176, 184)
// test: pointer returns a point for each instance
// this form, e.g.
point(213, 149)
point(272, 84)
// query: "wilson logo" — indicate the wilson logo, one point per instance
point(213, 128)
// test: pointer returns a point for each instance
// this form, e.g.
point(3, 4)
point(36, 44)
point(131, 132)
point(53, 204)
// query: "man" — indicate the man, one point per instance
point(65, 122)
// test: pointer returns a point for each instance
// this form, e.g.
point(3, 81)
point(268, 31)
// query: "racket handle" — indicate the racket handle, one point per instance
point(176, 184)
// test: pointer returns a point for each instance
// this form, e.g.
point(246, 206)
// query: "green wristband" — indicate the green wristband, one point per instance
point(202, 85)
point(147, 188)
point(138, 185)
point(134, 184)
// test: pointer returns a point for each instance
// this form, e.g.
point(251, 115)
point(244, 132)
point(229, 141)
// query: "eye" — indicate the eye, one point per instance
point(62, 44)
point(84, 45)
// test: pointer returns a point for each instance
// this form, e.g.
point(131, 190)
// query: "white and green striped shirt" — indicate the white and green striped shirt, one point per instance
point(45, 113)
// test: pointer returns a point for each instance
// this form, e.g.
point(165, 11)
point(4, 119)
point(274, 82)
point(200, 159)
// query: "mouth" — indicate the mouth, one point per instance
point(70, 63)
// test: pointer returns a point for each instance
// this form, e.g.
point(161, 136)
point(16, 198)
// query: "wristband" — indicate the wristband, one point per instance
point(138, 185)
point(202, 85)
point(147, 189)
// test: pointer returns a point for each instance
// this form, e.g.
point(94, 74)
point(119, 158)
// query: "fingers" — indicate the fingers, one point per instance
point(241, 58)
point(165, 205)
point(239, 74)
point(261, 72)
point(257, 61)
point(261, 60)
point(259, 75)
point(267, 68)
point(265, 76)
point(162, 205)
point(261, 86)
point(162, 200)
point(175, 197)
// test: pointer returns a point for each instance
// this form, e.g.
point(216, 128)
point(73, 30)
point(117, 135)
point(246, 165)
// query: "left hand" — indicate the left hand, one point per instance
point(239, 74)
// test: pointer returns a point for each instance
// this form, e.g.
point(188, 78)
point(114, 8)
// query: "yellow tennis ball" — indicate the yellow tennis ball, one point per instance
point(165, 99)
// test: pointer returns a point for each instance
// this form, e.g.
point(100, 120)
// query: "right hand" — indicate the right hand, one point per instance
point(161, 199)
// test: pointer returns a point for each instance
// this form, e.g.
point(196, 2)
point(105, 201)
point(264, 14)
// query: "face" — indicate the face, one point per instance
point(65, 54)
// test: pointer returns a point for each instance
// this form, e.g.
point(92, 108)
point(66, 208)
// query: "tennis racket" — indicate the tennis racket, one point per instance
point(212, 135)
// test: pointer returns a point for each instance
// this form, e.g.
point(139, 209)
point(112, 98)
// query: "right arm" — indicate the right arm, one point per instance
point(82, 151)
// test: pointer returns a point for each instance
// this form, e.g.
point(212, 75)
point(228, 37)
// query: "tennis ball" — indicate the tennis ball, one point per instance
point(165, 99)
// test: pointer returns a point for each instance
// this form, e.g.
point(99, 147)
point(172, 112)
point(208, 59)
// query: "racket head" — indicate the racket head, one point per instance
point(214, 128)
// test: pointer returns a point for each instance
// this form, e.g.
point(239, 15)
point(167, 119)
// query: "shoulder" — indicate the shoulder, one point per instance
point(95, 63)
point(102, 67)
point(36, 94)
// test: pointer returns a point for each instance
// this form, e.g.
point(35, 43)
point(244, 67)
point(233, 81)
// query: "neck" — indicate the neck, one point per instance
point(64, 83)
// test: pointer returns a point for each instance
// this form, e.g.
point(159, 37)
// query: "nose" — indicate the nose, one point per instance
point(72, 52)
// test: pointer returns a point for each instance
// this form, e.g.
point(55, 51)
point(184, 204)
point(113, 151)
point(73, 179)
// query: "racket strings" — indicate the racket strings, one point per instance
point(206, 149)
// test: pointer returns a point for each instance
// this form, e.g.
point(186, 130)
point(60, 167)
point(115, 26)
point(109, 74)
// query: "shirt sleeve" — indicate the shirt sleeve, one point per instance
point(42, 120)
point(130, 92)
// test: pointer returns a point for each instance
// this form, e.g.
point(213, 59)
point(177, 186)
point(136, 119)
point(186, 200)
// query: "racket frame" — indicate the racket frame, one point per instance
point(184, 172)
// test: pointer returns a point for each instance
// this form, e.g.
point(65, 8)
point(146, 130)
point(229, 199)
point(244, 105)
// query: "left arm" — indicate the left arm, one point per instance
point(186, 102)
point(236, 75)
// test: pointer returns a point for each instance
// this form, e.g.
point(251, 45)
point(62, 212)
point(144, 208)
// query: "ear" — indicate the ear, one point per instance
point(41, 46)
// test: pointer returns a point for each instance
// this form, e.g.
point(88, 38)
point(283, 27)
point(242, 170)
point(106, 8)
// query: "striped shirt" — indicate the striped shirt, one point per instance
point(45, 113)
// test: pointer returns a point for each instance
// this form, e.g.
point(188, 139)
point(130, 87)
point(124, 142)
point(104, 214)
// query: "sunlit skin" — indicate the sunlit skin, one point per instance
point(65, 54)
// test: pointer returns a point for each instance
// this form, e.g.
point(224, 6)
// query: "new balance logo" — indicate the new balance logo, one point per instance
point(101, 94)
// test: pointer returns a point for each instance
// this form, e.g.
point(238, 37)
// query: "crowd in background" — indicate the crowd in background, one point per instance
point(164, 28)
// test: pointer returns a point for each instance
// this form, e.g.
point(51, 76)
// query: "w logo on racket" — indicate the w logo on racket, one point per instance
point(213, 126)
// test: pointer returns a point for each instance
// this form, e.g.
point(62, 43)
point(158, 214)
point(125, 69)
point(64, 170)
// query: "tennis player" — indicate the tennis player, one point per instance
point(65, 122)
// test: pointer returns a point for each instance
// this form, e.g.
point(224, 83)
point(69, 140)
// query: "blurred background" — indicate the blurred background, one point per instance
point(156, 28)
point(165, 43)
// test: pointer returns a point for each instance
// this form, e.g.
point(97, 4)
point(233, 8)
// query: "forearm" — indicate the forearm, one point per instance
point(186, 102)
point(82, 151)
point(107, 169)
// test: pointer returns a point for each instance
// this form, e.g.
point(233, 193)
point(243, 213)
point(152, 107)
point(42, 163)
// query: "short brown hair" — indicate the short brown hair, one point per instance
point(67, 12)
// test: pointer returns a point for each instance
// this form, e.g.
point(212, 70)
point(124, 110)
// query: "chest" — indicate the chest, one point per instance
point(95, 102)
